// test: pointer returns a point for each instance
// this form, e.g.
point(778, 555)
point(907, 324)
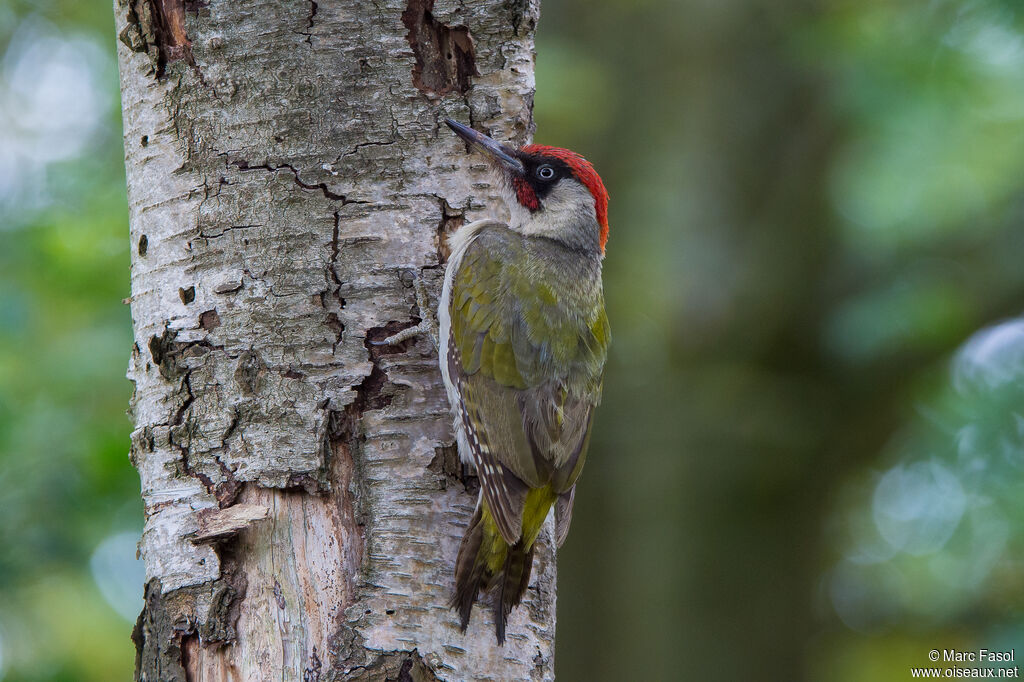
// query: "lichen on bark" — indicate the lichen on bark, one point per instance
point(288, 177)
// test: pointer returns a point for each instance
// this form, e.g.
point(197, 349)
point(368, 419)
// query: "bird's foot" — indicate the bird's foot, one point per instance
point(428, 320)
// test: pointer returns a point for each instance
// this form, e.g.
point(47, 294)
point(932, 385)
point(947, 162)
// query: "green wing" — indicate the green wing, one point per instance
point(527, 363)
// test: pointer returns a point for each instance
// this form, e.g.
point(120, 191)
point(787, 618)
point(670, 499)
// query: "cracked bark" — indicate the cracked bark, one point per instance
point(288, 177)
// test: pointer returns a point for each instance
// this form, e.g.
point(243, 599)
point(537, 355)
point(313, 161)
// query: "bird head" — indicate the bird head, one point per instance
point(550, 192)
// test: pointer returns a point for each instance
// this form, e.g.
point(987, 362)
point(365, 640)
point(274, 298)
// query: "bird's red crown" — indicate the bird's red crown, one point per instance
point(585, 173)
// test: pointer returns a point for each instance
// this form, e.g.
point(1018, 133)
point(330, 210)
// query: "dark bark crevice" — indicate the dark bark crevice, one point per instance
point(243, 165)
point(157, 27)
point(172, 625)
point(445, 55)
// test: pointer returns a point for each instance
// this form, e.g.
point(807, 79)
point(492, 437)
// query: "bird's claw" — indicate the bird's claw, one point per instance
point(428, 320)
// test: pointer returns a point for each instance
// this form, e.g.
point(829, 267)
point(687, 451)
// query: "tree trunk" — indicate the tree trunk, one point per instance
point(288, 179)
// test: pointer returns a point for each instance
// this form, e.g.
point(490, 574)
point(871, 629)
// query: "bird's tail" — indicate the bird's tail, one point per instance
point(487, 563)
point(511, 585)
point(469, 567)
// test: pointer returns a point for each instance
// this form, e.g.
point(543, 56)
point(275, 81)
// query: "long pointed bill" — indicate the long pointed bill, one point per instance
point(497, 151)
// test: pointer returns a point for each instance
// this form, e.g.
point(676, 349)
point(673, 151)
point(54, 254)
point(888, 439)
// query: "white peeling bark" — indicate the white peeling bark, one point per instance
point(288, 177)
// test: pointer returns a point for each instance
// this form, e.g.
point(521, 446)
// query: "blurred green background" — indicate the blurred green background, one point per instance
point(808, 464)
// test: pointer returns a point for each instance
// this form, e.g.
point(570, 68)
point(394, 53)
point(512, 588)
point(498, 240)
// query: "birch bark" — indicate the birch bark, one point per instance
point(288, 178)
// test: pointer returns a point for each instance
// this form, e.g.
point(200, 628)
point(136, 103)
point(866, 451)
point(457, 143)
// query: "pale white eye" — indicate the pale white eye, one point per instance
point(545, 172)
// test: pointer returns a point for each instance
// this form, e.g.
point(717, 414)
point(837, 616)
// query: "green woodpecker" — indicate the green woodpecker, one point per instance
point(522, 345)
